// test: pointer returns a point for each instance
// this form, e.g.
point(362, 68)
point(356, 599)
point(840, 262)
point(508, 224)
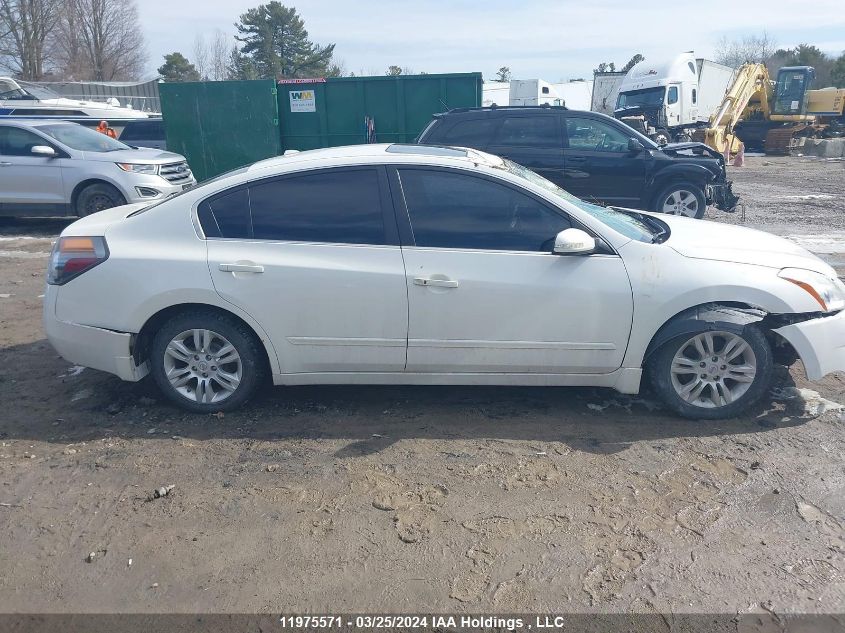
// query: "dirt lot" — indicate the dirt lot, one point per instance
point(419, 499)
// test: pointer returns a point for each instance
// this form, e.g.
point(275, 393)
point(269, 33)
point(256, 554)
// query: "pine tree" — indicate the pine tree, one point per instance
point(176, 67)
point(276, 43)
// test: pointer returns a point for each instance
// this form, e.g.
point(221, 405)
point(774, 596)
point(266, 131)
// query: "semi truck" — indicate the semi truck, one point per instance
point(670, 101)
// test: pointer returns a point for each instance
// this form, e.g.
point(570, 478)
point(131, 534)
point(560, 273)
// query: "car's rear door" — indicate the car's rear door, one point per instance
point(598, 164)
point(532, 139)
point(314, 258)
point(485, 293)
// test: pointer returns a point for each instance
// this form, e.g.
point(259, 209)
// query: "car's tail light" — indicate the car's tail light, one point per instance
point(72, 256)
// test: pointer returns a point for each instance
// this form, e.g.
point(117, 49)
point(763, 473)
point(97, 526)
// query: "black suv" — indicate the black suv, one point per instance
point(593, 156)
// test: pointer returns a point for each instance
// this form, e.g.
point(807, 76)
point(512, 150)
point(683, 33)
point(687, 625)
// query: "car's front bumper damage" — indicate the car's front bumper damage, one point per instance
point(819, 342)
point(721, 196)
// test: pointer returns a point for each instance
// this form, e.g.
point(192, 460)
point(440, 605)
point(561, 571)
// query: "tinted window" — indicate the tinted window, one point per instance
point(596, 136)
point(17, 142)
point(143, 130)
point(453, 210)
point(672, 96)
point(694, 96)
point(534, 131)
point(226, 215)
point(332, 206)
point(471, 132)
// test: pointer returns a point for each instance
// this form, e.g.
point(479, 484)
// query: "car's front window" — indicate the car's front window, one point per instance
point(621, 222)
point(82, 138)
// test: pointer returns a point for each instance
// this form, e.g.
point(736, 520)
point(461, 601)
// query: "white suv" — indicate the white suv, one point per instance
point(61, 168)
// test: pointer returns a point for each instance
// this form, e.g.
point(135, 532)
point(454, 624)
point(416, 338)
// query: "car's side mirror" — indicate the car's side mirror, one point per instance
point(43, 150)
point(574, 242)
point(635, 146)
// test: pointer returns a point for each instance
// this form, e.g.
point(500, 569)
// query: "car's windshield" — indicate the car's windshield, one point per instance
point(82, 138)
point(621, 222)
point(648, 97)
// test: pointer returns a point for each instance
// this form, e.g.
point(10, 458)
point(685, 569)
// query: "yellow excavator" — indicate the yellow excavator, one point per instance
point(774, 115)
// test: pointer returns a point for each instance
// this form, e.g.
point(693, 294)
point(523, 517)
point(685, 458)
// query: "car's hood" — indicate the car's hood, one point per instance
point(701, 239)
point(140, 155)
point(97, 223)
point(691, 148)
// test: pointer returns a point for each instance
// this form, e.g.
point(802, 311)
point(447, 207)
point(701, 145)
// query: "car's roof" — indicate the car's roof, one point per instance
point(378, 154)
point(490, 111)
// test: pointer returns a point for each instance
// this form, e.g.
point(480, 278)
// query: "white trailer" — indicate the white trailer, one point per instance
point(669, 101)
point(576, 94)
point(605, 90)
point(495, 93)
point(533, 92)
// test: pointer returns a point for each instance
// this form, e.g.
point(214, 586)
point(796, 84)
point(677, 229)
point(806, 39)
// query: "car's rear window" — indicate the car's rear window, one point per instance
point(337, 206)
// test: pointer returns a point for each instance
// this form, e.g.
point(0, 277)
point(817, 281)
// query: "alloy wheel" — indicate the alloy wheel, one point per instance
point(203, 366)
point(681, 202)
point(713, 369)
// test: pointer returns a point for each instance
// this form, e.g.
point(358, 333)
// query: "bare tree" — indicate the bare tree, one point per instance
point(26, 27)
point(219, 50)
point(67, 47)
point(201, 56)
point(751, 48)
point(104, 39)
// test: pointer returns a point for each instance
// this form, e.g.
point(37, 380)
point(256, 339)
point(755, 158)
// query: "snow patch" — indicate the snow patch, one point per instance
point(809, 196)
point(22, 255)
point(814, 403)
point(828, 243)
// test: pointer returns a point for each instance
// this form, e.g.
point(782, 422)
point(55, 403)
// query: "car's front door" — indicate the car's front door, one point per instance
point(28, 182)
point(532, 140)
point(485, 293)
point(312, 259)
point(598, 164)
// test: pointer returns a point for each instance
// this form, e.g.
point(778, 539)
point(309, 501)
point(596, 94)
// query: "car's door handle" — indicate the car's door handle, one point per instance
point(576, 159)
point(5, 164)
point(440, 283)
point(242, 268)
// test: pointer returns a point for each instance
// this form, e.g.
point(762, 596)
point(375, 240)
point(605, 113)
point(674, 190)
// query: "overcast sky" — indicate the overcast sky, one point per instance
point(548, 39)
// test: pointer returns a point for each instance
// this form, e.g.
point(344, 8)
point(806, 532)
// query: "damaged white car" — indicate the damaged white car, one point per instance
point(392, 264)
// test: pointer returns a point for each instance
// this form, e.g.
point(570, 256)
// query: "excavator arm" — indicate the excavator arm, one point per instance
point(751, 83)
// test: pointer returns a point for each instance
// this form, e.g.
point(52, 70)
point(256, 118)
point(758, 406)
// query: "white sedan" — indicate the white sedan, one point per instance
point(397, 264)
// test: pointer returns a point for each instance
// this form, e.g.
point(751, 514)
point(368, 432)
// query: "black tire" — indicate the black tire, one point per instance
point(659, 373)
point(661, 137)
point(97, 197)
point(252, 360)
point(681, 190)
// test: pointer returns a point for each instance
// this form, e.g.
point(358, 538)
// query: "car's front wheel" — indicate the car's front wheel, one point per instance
point(681, 198)
point(713, 374)
point(98, 197)
point(206, 362)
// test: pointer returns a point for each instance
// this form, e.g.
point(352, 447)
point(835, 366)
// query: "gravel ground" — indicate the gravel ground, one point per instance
point(419, 499)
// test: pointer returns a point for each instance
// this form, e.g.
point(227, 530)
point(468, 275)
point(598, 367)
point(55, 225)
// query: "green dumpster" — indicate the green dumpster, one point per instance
point(352, 110)
point(221, 125)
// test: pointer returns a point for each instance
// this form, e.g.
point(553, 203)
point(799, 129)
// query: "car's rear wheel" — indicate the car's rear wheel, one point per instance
point(206, 362)
point(681, 198)
point(98, 197)
point(713, 374)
